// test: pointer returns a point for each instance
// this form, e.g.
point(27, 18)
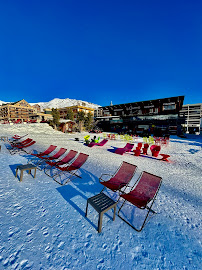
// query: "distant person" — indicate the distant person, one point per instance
point(94, 138)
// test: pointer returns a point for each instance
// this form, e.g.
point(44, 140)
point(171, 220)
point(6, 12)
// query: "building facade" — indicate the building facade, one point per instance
point(193, 118)
point(17, 111)
point(75, 109)
point(139, 117)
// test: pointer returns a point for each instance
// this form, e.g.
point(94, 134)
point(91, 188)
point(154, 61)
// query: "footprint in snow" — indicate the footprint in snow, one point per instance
point(88, 235)
point(87, 245)
point(29, 232)
point(61, 244)
point(45, 231)
point(13, 231)
point(12, 259)
point(48, 249)
point(104, 246)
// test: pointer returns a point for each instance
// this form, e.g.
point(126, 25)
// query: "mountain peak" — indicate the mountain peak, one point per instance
point(60, 103)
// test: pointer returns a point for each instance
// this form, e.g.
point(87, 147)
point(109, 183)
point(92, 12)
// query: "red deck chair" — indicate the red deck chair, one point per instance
point(19, 148)
point(49, 158)
point(143, 195)
point(20, 143)
point(127, 148)
point(65, 160)
point(71, 169)
point(14, 146)
point(103, 142)
point(69, 157)
point(56, 156)
point(120, 178)
point(17, 137)
point(50, 149)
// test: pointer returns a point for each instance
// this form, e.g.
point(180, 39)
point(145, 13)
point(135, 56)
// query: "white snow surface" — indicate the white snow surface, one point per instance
point(43, 224)
point(61, 103)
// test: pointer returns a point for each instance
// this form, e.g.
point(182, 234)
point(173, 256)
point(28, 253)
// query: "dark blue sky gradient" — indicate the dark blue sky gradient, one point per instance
point(100, 51)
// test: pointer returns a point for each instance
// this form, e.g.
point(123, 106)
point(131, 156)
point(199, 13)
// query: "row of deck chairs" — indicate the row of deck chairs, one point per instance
point(55, 167)
point(142, 193)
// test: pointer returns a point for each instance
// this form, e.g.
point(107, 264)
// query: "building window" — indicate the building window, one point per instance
point(169, 106)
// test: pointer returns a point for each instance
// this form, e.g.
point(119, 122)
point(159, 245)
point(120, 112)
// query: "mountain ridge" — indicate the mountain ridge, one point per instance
point(60, 103)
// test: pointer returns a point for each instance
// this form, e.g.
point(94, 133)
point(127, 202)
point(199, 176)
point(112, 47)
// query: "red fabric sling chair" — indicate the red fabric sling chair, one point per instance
point(103, 142)
point(127, 148)
point(21, 143)
point(50, 149)
point(69, 157)
point(142, 195)
point(14, 146)
point(71, 169)
point(120, 178)
point(19, 148)
point(17, 137)
point(57, 155)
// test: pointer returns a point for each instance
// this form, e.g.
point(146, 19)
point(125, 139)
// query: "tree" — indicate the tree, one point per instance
point(70, 114)
point(80, 119)
point(56, 117)
point(88, 122)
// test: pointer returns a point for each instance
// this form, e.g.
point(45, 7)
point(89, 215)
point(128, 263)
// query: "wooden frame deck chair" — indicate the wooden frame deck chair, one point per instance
point(50, 149)
point(120, 179)
point(142, 195)
point(127, 148)
point(19, 148)
point(103, 142)
point(72, 169)
point(57, 155)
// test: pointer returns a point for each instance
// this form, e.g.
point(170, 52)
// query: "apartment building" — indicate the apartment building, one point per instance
point(75, 109)
point(192, 113)
point(137, 117)
point(16, 111)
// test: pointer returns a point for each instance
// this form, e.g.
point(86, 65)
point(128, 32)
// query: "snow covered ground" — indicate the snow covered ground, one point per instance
point(43, 224)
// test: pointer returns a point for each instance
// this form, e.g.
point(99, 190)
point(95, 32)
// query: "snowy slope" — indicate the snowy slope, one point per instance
point(60, 103)
point(43, 224)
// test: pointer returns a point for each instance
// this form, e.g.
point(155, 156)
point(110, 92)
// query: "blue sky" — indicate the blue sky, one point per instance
point(100, 51)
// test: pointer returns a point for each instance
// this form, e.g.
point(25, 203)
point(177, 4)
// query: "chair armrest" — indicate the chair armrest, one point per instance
point(103, 180)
